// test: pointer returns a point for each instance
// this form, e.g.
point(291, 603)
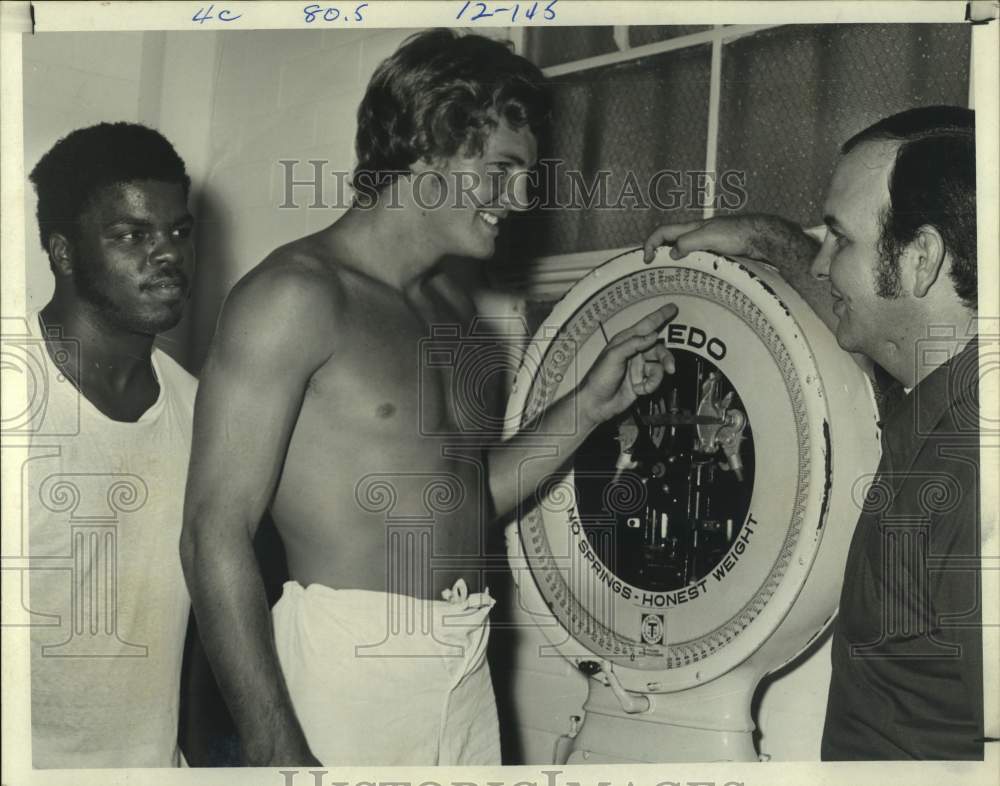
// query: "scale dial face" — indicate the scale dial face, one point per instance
point(685, 529)
point(666, 519)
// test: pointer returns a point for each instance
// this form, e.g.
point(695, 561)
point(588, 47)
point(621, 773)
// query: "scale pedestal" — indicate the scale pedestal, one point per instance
point(710, 722)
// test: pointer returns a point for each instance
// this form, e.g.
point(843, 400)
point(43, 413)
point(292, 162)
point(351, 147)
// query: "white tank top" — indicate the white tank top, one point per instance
point(104, 501)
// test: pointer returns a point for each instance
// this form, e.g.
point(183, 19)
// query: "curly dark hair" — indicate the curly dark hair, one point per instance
point(89, 159)
point(438, 94)
point(933, 182)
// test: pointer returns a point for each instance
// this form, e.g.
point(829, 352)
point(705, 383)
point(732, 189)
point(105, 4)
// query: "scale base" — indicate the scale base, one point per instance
point(709, 722)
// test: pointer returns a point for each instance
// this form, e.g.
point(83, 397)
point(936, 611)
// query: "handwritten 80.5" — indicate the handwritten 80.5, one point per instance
point(332, 13)
point(472, 12)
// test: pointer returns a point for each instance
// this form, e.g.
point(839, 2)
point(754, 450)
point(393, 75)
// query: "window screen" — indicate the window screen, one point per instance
point(549, 46)
point(788, 97)
point(640, 117)
point(792, 95)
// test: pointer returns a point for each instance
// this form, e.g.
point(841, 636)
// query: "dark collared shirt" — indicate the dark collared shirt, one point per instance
point(907, 644)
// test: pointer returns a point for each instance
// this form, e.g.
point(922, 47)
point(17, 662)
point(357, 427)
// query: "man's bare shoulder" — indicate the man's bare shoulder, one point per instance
point(295, 297)
point(295, 274)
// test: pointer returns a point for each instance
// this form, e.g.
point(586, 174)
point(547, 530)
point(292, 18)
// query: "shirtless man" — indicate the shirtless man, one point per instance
point(313, 389)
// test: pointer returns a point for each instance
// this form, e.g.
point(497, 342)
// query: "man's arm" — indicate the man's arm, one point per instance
point(631, 365)
point(765, 238)
point(273, 334)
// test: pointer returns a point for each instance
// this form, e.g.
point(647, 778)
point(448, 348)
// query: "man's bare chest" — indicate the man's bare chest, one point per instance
point(401, 371)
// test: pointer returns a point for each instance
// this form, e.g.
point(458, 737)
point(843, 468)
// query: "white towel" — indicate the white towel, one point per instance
point(389, 679)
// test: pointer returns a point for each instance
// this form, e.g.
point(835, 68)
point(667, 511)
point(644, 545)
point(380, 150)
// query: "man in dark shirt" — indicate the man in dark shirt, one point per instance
point(907, 647)
point(895, 278)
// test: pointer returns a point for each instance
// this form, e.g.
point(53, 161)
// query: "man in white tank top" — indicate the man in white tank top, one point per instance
point(105, 479)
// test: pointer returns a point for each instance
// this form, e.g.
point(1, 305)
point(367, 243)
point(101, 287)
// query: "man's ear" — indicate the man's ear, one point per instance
point(926, 257)
point(61, 254)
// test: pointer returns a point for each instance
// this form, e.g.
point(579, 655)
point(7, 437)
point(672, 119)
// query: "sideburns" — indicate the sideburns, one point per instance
point(887, 285)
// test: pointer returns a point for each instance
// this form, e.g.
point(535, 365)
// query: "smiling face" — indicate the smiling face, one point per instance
point(851, 257)
point(479, 192)
point(134, 255)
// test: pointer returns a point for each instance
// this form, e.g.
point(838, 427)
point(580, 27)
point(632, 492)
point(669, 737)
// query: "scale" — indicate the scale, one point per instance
point(697, 542)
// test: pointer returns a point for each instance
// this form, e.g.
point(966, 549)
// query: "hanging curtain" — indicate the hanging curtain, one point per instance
point(789, 97)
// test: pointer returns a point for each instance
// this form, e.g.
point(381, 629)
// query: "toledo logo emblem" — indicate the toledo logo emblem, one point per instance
point(652, 628)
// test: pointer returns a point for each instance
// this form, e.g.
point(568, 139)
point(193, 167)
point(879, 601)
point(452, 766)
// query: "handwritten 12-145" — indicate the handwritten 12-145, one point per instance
point(473, 12)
